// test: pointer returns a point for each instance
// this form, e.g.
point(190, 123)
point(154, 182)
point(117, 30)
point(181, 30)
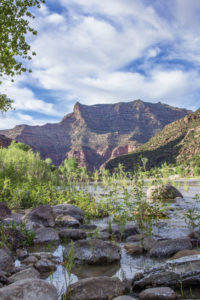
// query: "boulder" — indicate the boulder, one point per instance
point(4, 210)
point(68, 209)
point(135, 238)
point(148, 243)
point(184, 253)
point(72, 234)
point(167, 248)
point(101, 288)
point(184, 270)
point(46, 255)
point(133, 249)
point(24, 274)
point(67, 221)
point(163, 192)
point(124, 298)
point(46, 235)
point(45, 266)
point(34, 289)
point(14, 218)
point(94, 252)
point(32, 226)
point(122, 232)
point(161, 293)
point(30, 260)
point(42, 214)
point(88, 226)
point(6, 261)
point(21, 254)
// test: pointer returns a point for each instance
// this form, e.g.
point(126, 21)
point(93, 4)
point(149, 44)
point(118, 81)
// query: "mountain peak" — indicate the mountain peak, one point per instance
point(95, 133)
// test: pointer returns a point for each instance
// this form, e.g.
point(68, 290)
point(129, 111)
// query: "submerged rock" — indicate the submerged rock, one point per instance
point(94, 252)
point(42, 214)
point(72, 234)
point(46, 235)
point(184, 271)
point(163, 192)
point(33, 289)
point(101, 288)
point(162, 293)
point(167, 248)
point(68, 209)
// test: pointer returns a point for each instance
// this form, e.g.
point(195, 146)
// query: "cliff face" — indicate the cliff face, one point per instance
point(177, 142)
point(96, 133)
point(4, 141)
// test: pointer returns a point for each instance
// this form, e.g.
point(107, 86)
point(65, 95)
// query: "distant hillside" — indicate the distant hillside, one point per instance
point(94, 134)
point(177, 142)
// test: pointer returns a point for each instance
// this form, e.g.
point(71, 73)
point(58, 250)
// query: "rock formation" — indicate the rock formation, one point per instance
point(97, 133)
point(178, 142)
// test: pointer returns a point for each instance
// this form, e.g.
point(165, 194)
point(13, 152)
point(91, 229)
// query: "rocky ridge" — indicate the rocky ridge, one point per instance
point(95, 134)
point(176, 143)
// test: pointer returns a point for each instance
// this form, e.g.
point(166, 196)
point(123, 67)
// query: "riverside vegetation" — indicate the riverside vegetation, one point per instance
point(29, 184)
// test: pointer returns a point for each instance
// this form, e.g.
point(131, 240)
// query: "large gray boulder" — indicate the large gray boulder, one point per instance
point(161, 293)
point(70, 210)
point(24, 274)
point(163, 192)
point(169, 247)
point(46, 235)
point(184, 270)
point(101, 288)
point(94, 252)
point(42, 214)
point(6, 261)
point(29, 289)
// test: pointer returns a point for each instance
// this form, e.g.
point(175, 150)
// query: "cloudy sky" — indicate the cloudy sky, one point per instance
point(107, 51)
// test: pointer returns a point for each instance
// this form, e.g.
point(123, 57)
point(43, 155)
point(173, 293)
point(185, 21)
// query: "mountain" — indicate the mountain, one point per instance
point(177, 142)
point(97, 133)
point(4, 141)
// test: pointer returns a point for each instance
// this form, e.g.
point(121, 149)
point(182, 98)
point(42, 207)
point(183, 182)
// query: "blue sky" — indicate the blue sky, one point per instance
point(108, 51)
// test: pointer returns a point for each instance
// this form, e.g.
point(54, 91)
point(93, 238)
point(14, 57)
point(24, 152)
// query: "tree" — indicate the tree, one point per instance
point(14, 26)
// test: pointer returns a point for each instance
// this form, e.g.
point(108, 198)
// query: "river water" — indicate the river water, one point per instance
point(173, 227)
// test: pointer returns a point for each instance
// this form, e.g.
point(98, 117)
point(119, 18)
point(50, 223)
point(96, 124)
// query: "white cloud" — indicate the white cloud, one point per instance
point(82, 54)
point(12, 118)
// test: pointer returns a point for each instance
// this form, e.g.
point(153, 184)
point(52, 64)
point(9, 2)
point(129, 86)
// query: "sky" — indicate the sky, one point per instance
point(107, 51)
